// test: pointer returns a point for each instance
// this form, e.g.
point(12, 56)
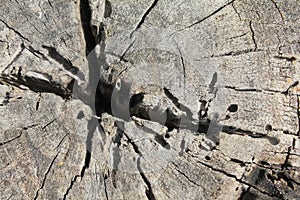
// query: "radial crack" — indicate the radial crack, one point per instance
point(279, 11)
point(45, 176)
point(14, 30)
point(253, 35)
point(238, 179)
point(37, 53)
point(35, 84)
point(208, 16)
point(15, 57)
point(298, 114)
point(105, 187)
point(267, 91)
point(149, 192)
point(142, 20)
point(10, 140)
point(70, 186)
point(66, 63)
point(85, 14)
point(188, 178)
point(236, 11)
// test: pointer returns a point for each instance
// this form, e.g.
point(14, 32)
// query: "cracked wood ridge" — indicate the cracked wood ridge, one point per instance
point(110, 99)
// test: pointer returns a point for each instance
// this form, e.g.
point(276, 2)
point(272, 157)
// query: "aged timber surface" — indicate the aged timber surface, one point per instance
point(161, 99)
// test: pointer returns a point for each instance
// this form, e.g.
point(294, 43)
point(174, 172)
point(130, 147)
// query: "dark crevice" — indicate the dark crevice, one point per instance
point(135, 147)
point(125, 52)
point(10, 140)
point(254, 186)
point(105, 187)
point(262, 164)
point(161, 140)
point(203, 124)
point(135, 100)
point(243, 89)
point(253, 35)
point(86, 15)
point(210, 15)
point(236, 11)
point(183, 66)
point(149, 192)
point(213, 82)
point(37, 53)
point(122, 59)
point(182, 147)
point(290, 87)
point(235, 53)
point(14, 30)
point(49, 123)
point(103, 98)
point(203, 109)
point(92, 125)
point(286, 163)
point(269, 91)
point(18, 136)
point(107, 9)
point(45, 176)
point(37, 105)
point(36, 85)
point(239, 36)
point(282, 176)
point(116, 150)
point(87, 161)
point(66, 63)
point(31, 126)
point(188, 178)
point(293, 143)
point(142, 20)
point(50, 4)
point(61, 141)
point(6, 99)
point(70, 186)
point(158, 138)
point(290, 59)
point(175, 101)
point(240, 162)
point(298, 114)
point(279, 11)
point(15, 58)
point(239, 131)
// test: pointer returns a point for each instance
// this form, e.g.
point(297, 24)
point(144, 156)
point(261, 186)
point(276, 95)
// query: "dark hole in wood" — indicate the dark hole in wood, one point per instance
point(268, 127)
point(233, 108)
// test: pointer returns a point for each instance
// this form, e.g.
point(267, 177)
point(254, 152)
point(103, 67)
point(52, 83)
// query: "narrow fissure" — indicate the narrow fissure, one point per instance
point(45, 176)
point(14, 30)
point(90, 42)
point(86, 15)
point(105, 187)
point(149, 192)
point(210, 15)
point(253, 35)
point(241, 181)
point(298, 112)
point(66, 63)
point(142, 20)
point(188, 178)
point(70, 187)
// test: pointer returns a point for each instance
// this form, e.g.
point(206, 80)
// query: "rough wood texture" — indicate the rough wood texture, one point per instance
point(162, 99)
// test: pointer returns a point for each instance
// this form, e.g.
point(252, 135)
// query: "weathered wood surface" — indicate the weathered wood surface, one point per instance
point(196, 99)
